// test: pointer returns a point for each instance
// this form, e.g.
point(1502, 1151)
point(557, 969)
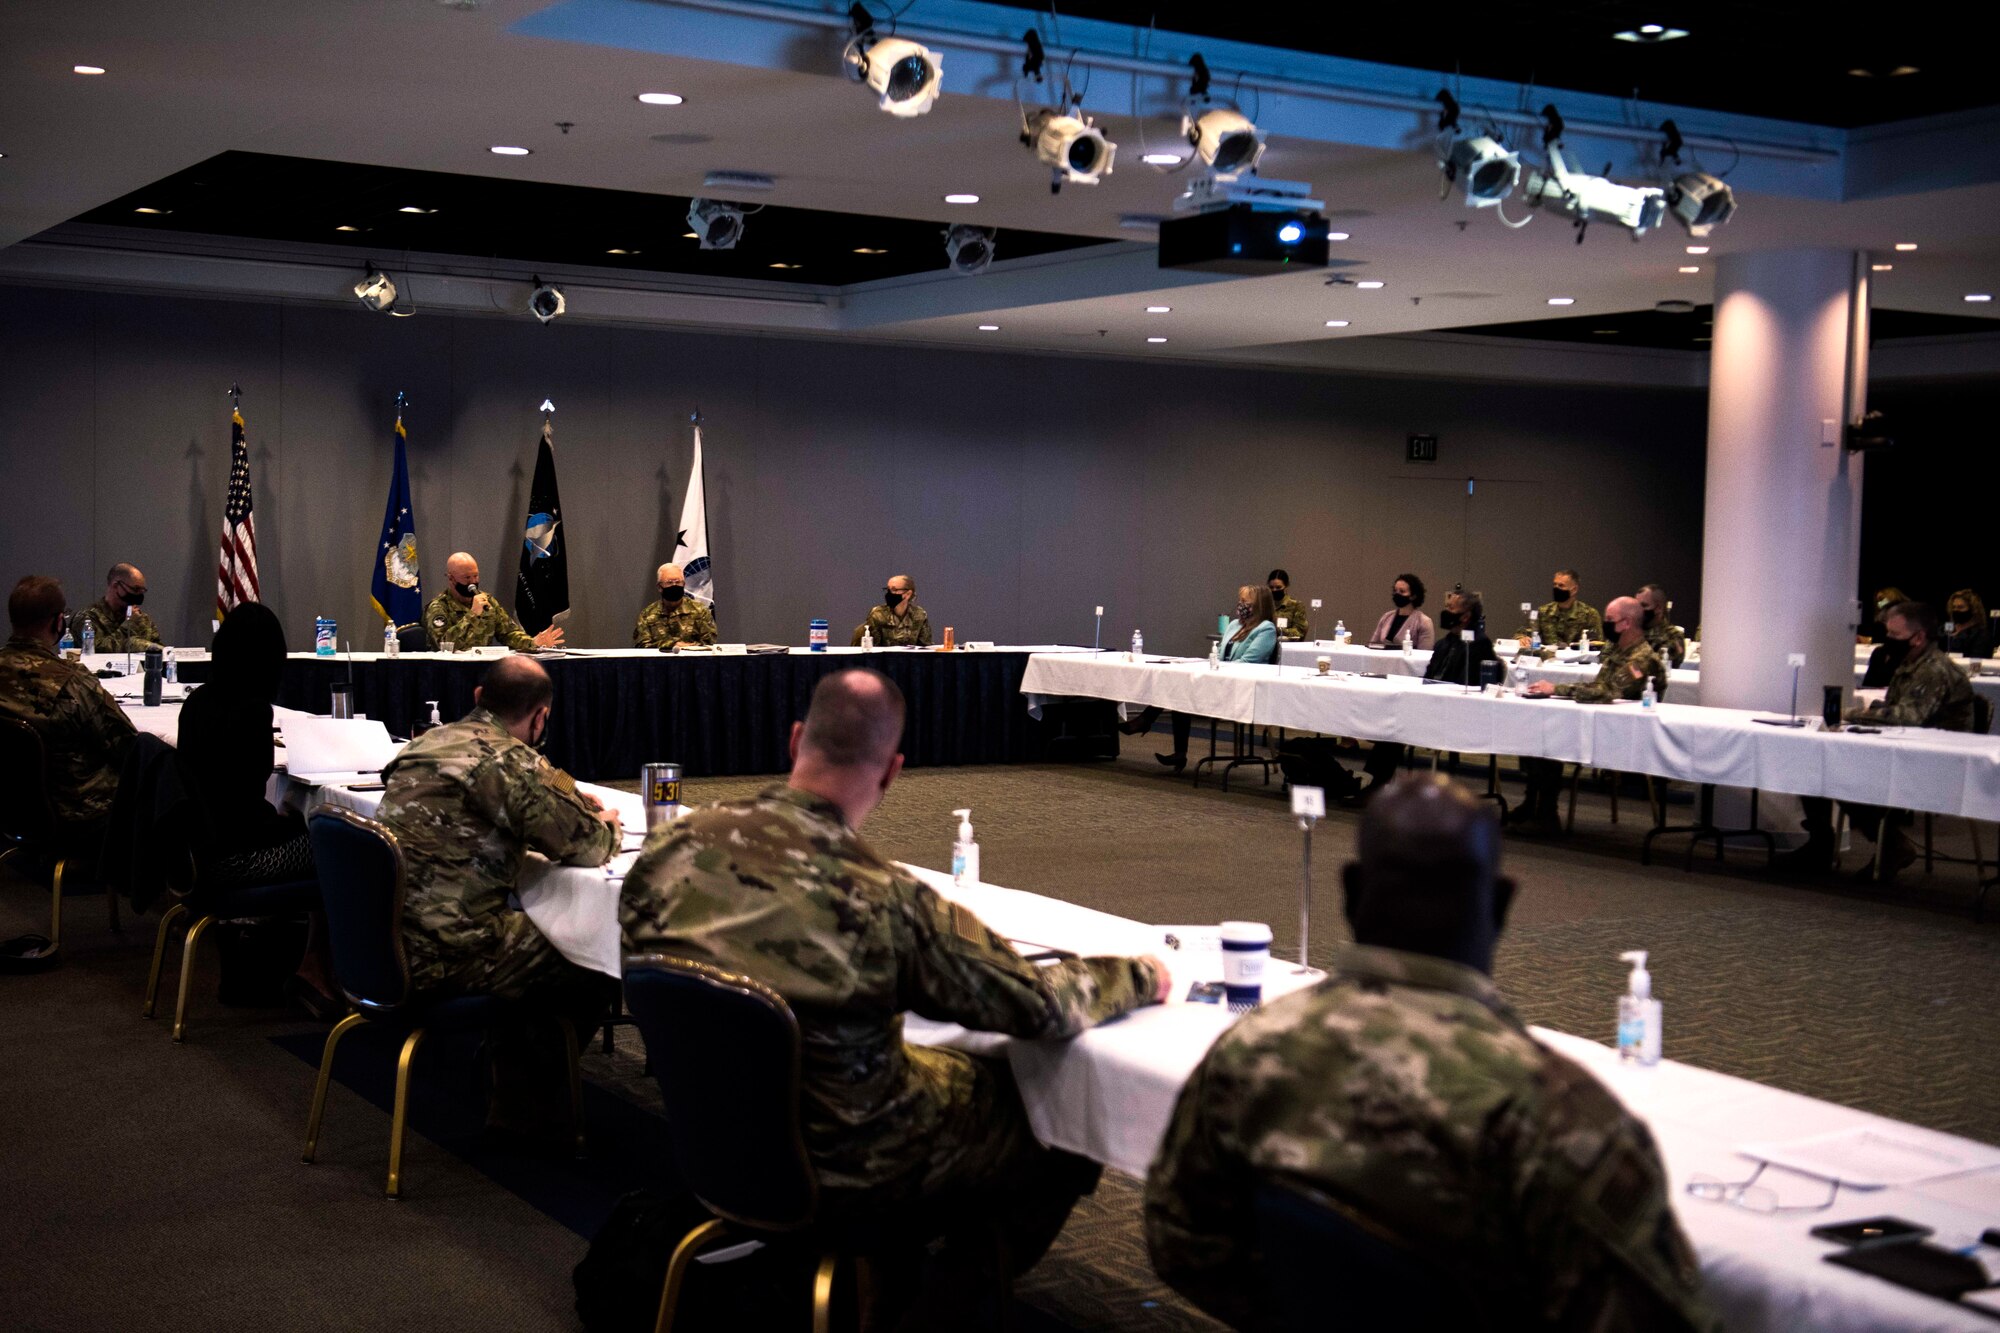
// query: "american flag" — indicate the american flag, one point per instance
point(236, 566)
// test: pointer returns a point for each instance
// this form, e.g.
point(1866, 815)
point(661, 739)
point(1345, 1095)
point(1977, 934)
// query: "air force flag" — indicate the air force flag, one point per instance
point(395, 586)
point(542, 592)
point(691, 550)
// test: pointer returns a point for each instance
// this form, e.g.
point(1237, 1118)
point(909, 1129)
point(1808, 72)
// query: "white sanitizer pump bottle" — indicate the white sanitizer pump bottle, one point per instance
point(1638, 1015)
point(964, 852)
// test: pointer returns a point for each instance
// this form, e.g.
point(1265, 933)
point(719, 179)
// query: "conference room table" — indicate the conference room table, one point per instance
point(1910, 768)
point(714, 712)
point(1109, 1094)
point(1570, 667)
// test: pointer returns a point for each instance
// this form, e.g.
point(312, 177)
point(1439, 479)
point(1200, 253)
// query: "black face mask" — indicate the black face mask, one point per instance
point(466, 590)
point(1651, 616)
point(1961, 616)
point(135, 596)
point(1277, 594)
point(672, 593)
point(1401, 599)
point(1559, 595)
point(1450, 620)
point(891, 598)
point(1895, 651)
point(1611, 632)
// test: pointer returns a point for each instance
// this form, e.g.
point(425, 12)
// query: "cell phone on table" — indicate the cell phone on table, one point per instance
point(1862, 731)
point(1871, 1231)
point(366, 786)
point(1205, 992)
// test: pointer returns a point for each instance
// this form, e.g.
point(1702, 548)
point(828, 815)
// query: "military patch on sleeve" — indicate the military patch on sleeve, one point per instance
point(966, 925)
point(556, 780)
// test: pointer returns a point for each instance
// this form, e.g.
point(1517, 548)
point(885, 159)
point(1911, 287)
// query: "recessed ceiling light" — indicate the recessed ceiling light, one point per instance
point(1906, 246)
point(1158, 309)
point(784, 265)
point(1336, 323)
point(1162, 159)
point(157, 212)
point(86, 69)
point(1157, 339)
point(961, 199)
point(868, 250)
point(989, 328)
point(1979, 297)
point(1690, 268)
point(1370, 285)
point(662, 99)
point(1562, 300)
point(412, 208)
point(621, 252)
point(1704, 339)
point(1902, 70)
point(344, 227)
point(1336, 236)
point(1881, 268)
point(1651, 32)
point(1697, 249)
point(1862, 73)
point(1604, 333)
point(509, 150)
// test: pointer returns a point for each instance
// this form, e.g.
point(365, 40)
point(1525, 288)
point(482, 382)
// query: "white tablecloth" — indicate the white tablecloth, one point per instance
point(1950, 773)
point(1109, 1094)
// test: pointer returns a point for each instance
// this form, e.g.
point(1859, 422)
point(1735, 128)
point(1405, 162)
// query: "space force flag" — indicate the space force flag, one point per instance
point(396, 588)
point(542, 592)
point(691, 545)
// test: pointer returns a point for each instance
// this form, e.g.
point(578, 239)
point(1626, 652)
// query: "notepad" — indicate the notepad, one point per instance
point(1870, 1158)
point(319, 747)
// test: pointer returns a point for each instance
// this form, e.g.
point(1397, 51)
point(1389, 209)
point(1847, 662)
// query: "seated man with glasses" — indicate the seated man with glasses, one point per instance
point(1404, 1089)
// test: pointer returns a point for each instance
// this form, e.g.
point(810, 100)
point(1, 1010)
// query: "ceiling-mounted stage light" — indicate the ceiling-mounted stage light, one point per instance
point(969, 248)
point(1223, 137)
point(1585, 198)
point(1702, 202)
point(546, 301)
point(717, 225)
point(1075, 150)
point(376, 290)
point(1487, 168)
point(907, 74)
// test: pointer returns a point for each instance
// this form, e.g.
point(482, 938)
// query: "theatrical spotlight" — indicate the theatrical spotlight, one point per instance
point(969, 248)
point(1223, 137)
point(906, 74)
point(1075, 150)
point(546, 302)
point(1702, 202)
point(1587, 199)
point(1488, 169)
point(718, 225)
point(376, 291)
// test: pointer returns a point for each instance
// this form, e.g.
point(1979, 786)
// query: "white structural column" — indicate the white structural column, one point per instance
point(1782, 527)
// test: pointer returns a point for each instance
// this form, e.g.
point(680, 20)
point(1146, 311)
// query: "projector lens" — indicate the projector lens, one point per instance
point(906, 78)
point(1234, 150)
point(1712, 210)
point(1291, 233)
point(1489, 179)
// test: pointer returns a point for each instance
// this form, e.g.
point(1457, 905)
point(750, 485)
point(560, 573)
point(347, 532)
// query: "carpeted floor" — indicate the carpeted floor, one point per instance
point(147, 1182)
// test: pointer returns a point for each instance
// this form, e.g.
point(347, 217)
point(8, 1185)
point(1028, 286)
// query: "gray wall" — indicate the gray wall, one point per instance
point(1019, 490)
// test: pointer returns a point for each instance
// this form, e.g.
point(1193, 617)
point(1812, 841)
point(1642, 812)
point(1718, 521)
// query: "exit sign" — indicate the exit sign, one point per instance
point(1422, 449)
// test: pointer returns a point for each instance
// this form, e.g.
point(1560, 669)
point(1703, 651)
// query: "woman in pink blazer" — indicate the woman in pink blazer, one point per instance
point(1408, 595)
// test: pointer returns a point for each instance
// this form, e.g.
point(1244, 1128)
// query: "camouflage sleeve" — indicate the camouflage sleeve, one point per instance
point(1200, 1216)
point(1301, 625)
point(544, 809)
point(953, 968)
point(1593, 1206)
point(508, 630)
point(642, 629)
point(1621, 677)
point(103, 720)
point(920, 627)
point(454, 617)
point(1592, 619)
point(1914, 699)
point(704, 630)
point(1677, 646)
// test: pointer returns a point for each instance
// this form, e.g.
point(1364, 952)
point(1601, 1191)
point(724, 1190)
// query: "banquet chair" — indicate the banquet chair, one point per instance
point(362, 864)
point(28, 819)
point(1315, 1254)
point(174, 856)
point(736, 1140)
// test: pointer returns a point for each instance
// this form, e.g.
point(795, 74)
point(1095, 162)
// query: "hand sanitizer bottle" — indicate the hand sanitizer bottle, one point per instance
point(1138, 645)
point(867, 639)
point(964, 852)
point(1409, 640)
point(1215, 656)
point(1648, 697)
point(1638, 1015)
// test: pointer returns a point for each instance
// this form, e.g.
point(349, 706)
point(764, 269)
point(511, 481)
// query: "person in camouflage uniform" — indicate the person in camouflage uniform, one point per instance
point(1667, 639)
point(1563, 619)
point(1404, 1089)
point(780, 887)
point(115, 618)
point(1928, 689)
point(85, 734)
point(468, 801)
point(676, 618)
point(1627, 663)
point(465, 617)
point(898, 622)
point(1289, 610)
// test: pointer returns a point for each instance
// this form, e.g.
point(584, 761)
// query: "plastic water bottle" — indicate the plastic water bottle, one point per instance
point(68, 643)
point(323, 635)
point(172, 672)
point(1648, 698)
point(1535, 638)
point(816, 636)
point(1340, 632)
point(1138, 645)
point(391, 645)
point(1215, 656)
point(89, 637)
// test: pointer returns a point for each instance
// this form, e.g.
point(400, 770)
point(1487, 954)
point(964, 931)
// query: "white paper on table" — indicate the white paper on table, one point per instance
point(321, 745)
point(1869, 1158)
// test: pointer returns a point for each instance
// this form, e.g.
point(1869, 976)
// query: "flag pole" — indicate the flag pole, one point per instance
point(548, 419)
point(235, 398)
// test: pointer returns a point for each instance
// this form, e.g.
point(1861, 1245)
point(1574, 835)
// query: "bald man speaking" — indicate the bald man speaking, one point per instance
point(465, 617)
point(676, 620)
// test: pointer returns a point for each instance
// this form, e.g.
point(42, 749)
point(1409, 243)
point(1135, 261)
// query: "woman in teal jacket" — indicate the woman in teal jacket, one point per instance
point(1251, 635)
